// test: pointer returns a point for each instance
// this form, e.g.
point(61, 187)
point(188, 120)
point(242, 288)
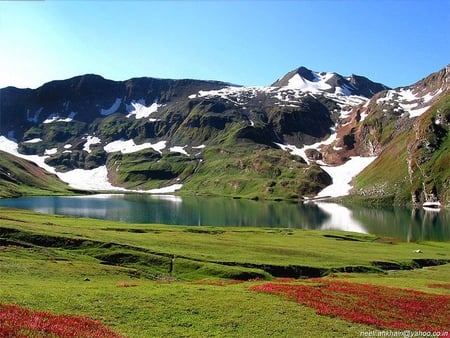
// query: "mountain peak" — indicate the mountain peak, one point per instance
point(307, 80)
point(306, 73)
point(366, 87)
point(303, 72)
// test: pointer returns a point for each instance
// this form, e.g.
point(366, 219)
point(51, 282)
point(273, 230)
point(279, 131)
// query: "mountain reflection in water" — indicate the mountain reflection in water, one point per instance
point(402, 223)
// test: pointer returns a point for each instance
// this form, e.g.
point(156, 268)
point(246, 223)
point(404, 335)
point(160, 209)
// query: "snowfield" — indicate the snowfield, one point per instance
point(55, 118)
point(290, 95)
point(52, 151)
point(89, 141)
point(413, 104)
point(319, 84)
point(34, 140)
point(343, 174)
point(128, 146)
point(97, 180)
point(91, 180)
point(178, 149)
point(94, 179)
point(140, 111)
point(302, 151)
point(11, 147)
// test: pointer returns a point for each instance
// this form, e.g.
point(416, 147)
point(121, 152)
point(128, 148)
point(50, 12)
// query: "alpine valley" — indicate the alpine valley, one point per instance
point(308, 135)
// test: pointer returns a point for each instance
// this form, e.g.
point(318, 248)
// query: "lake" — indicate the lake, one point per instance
point(400, 223)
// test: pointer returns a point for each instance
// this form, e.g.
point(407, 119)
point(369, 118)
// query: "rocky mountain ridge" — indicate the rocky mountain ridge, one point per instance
point(210, 136)
point(415, 121)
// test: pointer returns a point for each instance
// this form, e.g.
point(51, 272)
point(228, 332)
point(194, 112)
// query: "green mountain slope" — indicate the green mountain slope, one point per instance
point(257, 172)
point(19, 177)
point(415, 165)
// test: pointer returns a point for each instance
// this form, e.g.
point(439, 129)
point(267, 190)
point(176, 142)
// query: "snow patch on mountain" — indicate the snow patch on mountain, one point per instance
point(404, 99)
point(363, 115)
point(343, 174)
point(68, 118)
point(51, 151)
point(178, 149)
point(55, 118)
point(93, 180)
point(165, 190)
point(34, 140)
point(140, 111)
point(237, 95)
point(111, 110)
point(97, 180)
point(8, 146)
point(12, 148)
point(90, 140)
point(52, 118)
point(302, 151)
point(294, 150)
point(128, 146)
point(344, 90)
point(289, 95)
point(317, 85)
point(159, 146)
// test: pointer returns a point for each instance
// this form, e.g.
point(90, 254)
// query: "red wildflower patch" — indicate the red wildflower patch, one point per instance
point(21, 323)
point(440, 285)
point(384, 307)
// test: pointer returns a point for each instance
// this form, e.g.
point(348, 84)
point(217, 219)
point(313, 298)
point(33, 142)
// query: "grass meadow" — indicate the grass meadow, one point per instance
point(144, 280)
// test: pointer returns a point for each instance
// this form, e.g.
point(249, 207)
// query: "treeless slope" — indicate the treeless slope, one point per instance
point(19, 177)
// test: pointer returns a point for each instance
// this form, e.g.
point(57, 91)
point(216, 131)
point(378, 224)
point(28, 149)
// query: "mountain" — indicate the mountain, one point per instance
point(408, 129)
point(210, 137)
point(20, 177)
point(303, 78)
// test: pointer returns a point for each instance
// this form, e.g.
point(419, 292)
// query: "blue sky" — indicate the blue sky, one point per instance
point(396, 42)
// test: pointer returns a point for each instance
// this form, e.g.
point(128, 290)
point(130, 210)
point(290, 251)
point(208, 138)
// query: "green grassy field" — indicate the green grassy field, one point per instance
point(120, 274)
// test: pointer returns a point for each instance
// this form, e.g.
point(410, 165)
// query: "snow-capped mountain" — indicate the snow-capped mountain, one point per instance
point(407, 129)
point(208, 136)
point(332, 83)
point(400, 106)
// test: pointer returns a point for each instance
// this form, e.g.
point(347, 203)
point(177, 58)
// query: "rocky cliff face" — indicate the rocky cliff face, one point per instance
point(213, 137)
point(87, 98)
point(411, 122)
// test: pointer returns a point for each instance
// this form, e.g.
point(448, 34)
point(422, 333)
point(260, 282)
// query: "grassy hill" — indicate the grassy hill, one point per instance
point(19, 177)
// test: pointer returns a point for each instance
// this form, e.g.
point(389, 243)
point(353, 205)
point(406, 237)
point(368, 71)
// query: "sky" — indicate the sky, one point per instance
point(248, 42)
